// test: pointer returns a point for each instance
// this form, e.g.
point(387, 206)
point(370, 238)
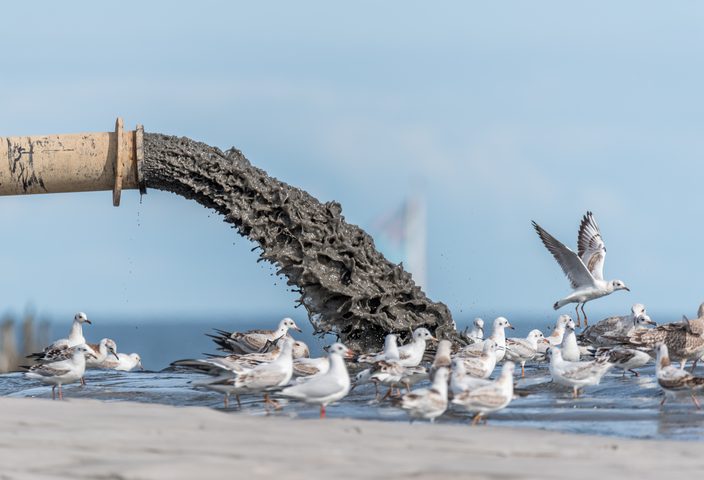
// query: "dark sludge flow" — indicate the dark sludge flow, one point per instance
point(347, 287)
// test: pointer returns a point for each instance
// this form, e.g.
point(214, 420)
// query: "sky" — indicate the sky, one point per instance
point(498, 112)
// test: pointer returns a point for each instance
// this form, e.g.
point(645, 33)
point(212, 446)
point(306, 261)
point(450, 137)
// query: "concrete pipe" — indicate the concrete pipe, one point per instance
point(83, 162)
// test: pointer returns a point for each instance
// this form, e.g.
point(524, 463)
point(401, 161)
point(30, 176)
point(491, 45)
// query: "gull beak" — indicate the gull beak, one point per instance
point(546, 341)
point(627, 289)
point(511, 326)
point(91, 354)
point(350, 354)
point(434, 339)
point(297, 328)
point(140, 366)
point(89, 322)
point(651, 322)
point(115, 354)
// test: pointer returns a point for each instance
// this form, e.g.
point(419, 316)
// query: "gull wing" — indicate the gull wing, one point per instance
point(571, 265)
point(590, 246)
point(317, 387)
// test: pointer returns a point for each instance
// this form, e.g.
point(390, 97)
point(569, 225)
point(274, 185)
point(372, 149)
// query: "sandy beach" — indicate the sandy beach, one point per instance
point(90, 439)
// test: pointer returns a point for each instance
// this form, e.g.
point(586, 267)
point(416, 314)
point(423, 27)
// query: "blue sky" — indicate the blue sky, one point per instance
point(501, 112)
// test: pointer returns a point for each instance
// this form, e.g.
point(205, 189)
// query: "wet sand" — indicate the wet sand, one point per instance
point(123, 440)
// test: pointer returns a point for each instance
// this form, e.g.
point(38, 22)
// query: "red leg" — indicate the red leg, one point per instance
point(576, 311)
point(61, 394)
point(53, 392)
point(585, 316)
point(322, 411)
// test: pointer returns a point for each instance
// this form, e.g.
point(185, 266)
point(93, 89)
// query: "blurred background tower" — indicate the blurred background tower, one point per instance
point(401, 235)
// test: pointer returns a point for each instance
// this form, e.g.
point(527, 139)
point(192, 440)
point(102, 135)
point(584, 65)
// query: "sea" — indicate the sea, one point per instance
point(621, 406)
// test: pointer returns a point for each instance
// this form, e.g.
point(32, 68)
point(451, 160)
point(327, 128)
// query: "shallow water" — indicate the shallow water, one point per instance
point(622, 406)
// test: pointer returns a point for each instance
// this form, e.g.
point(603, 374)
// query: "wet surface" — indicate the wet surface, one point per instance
point(621, 406)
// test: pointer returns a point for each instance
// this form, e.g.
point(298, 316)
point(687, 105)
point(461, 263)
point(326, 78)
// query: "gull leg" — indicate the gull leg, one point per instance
point(523, 369)
point(694, 365)
point(239, 405)
point(388, 393)
point(664, 399)
point(61, 394)
point(322, 411)
point(696, 402)
point(585, 316)
point(53, 392)
point(575, 392)
point(683, 363)
point(408, 388)
point(635, 374)
point(227, 399)
point(83, 382)
point(576, 311)
point(476, 419)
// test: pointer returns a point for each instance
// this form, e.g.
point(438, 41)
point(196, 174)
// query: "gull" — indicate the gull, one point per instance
point(498, 336)
point(390, 351)
point(684, 340)
point(62, 372)
point(482, 365)
point(124, 362)
point(489, 398)
point(237, 362)
point(428, 403)
point(476, 333)
point(461, 382)
point(569, 346)
point(576, 374)
point(394, 373)
point(443, 357)
point(672, 379)
point(620, 326)
point(627, 359)
point(326, 388)
point(253, 341)
point(555, 338)
point(522, 350)
point(75, 336)
point(411, 355)
point(234, 362)
point(101, 351)
point(585, 269)
point(261, 378)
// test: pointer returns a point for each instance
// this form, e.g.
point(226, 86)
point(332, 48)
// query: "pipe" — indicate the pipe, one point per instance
point(83, 162)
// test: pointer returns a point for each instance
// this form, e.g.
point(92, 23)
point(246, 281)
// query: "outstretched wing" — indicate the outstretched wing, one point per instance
point(574, 269)
point(590, 246)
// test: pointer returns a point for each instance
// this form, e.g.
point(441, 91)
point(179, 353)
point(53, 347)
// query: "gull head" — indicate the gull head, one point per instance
point(619, 285)
point(422, 334)
point(137, 359)
point(287, 323)
point(479, 323)
point(663, 357)
point(300, 350)
point(341, 350)
point(643, 319)
point(562, 321)
point(570, 325)
point(85, 351)
point(81, 317)
point(502, 322)
point(111, 346)
point(537, 335)
point(490, 346)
